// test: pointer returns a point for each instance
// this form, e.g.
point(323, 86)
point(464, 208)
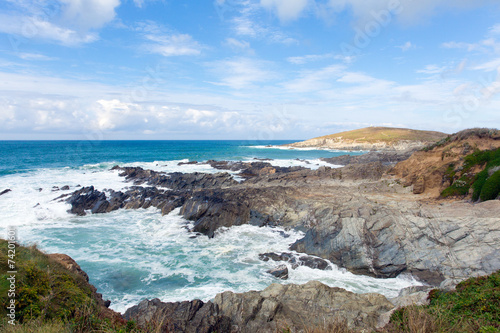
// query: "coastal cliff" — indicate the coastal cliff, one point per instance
point(373, 138)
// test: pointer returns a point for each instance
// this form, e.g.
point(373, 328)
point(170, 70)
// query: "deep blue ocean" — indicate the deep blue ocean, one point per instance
point(130, 255)
point(22, 156)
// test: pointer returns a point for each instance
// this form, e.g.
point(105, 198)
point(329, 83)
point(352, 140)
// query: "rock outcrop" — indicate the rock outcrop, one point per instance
point(299, 308)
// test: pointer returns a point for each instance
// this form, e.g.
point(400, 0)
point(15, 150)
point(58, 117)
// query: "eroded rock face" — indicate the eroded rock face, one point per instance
point(298, 307)
point(189, 316)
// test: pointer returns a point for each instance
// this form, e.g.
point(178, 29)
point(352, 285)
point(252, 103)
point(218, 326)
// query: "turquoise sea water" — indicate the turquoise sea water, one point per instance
point(135, 254)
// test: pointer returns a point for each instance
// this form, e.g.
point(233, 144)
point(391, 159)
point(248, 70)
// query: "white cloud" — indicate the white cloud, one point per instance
point(67, 22)
point(174, 45)
point(33, 28)
point(167, 43)
point(88, 14)
point(489, 66)
point(300, 60)
point(286, 9)
point(249, 23)
point(406, 46)
point(315, 80)
point(239, 73)
point(405, 11)
point(35, 56)
point(239, 45)
point(432, 69)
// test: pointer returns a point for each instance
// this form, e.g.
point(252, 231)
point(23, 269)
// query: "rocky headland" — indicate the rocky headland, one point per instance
point(373, 138)
point(366, 217)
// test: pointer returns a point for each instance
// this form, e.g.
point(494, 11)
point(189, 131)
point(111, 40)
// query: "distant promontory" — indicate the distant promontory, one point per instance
point(373, 138)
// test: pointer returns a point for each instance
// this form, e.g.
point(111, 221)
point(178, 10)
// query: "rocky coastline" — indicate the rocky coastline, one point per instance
point(359, 217)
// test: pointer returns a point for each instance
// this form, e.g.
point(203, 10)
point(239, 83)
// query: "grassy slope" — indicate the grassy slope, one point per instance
point(473, 307)
point(49, 298)
point(386, 134)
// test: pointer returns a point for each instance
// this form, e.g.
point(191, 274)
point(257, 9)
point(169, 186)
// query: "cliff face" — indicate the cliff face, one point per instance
point(432, 170)
point(373, 138)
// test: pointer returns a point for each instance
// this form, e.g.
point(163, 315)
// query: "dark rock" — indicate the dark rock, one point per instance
point(187, 163)
point(65, 188)
point(5, 191)
point(55, 188)
point(194, 316)
point(280, 272)
point(296, 260)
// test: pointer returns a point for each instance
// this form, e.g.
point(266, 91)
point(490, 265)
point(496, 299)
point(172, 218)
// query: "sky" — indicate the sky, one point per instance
point(248, 69)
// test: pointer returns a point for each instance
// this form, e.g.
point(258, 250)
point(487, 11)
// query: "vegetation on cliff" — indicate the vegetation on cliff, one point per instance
point(485, 184)
point(460, 165)
point(49, 297)
point(473, 307)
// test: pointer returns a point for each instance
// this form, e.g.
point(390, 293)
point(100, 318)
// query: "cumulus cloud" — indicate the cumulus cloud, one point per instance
point(88, 14)
point(286, 9)
point(66, 22)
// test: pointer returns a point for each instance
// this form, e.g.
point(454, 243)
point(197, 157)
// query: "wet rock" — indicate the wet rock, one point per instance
point(5, 191)
point(65, 188)
point(296, 260)
point(187, 163)
point(280, 272)
point(177, 180)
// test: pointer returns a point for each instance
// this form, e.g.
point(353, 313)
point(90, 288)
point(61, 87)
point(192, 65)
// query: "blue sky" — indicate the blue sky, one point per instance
point(249, 69)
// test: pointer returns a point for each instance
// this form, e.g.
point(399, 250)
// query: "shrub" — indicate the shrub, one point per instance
point(491, 187)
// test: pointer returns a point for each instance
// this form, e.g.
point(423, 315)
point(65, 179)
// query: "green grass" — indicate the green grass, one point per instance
point(485, 187)
point(473, 307)
point(49, 298)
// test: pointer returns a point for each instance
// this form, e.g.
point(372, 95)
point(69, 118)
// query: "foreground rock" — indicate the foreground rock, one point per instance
point(297, 307)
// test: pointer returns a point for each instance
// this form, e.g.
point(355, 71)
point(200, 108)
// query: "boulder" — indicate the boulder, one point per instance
point(280, 272)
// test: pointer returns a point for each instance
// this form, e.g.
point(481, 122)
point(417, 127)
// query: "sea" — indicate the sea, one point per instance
point(131, 255)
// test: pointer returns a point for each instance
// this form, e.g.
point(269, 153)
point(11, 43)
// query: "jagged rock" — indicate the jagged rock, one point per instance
point(5, 191)
point(280, 272)
point(176, 180)
point(86, 198)
point(136, 197)
point(300, 308)
point(296, 260)
point(193, 316)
